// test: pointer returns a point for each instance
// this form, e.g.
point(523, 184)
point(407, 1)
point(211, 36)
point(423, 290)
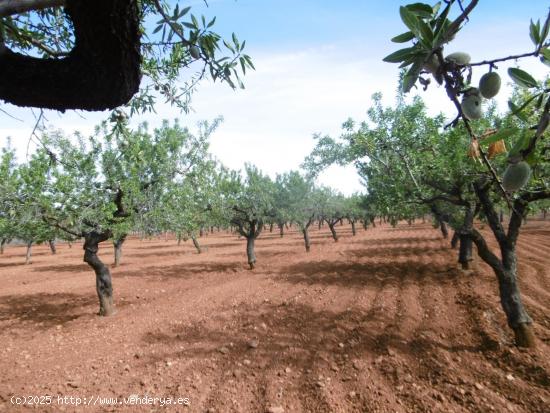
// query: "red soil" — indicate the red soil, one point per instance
point(381, 322)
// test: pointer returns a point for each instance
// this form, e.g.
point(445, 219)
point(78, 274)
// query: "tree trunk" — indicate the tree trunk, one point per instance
point(179, 239)
point(455, 239)
point(281, 226)
point(306, 238)
point(320, 222)
point(373, 222)
point(28, 255)
point(201, 232)
point(250, 251)
point(364, 223)
point(510, 299)
point(443, 228)
point(271, 227)
point(117, 244)
point(353, 232)
point(70, 244)
point(53, 248)
point(333, 231)
point(196, 244)
point(341, 222)
point(2, 243)
point(505, 266)
point(465, 251)
point(104, 286)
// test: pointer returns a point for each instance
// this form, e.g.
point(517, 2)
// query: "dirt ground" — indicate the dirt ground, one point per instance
point(380, 322)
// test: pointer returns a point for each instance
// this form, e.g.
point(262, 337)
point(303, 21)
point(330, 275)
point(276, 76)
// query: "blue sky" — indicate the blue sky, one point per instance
point(318, 62)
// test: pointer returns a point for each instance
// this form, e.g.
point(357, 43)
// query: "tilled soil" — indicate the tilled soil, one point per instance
point(380, 322)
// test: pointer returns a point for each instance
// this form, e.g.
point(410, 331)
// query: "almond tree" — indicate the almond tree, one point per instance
point(8, 191)
point(107, 184)
point(430, 29)
point(249, 203)
point(302, 207)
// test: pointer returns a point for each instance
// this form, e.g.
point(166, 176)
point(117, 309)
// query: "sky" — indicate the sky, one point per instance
point(317, 64)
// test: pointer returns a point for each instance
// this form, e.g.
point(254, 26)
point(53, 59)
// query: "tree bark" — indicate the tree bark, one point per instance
point(306, 239)
point(53, 248)
point(250, 253)
point(196, 244)
point(281, 226)
point(465, 251)
point(333, 231)
point(271, 227)
point(28, 255)
point(117, 244)
point(104, 285)
point(455, 239)
point(505, 268)
point(2, 243)
point(101, 72)
point(353, 231)
point(444, 230)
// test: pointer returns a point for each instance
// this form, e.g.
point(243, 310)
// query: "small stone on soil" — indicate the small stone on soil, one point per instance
point(223, 350)
point(275, 409)
point(253, 344)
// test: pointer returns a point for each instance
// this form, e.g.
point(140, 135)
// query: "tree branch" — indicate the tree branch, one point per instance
point(11, 7)
point(484, 252)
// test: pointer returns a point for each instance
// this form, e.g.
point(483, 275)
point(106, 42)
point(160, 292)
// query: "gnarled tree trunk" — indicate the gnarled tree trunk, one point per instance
point(117, 244)
point(353, 231)
point(505, 267)
point(333, 230)
point(281, 226)
point(104, 285)
point(455, 239)
point(53, 247)
point(196, 244)
point(250, 253)
point(28, 255)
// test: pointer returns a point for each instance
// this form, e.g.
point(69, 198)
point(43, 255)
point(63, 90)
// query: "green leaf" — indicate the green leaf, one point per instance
point(412, 75)
point(521, 143)
point(427, 35)
point(522, 78)
point(501, 134)
point(184, 11)
point(421, 9)
point(534, 32)
point(409, 19)
point(545, 56)
point(400, 55)
point(403, 37)
point(516, 110)
point(545, 30)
